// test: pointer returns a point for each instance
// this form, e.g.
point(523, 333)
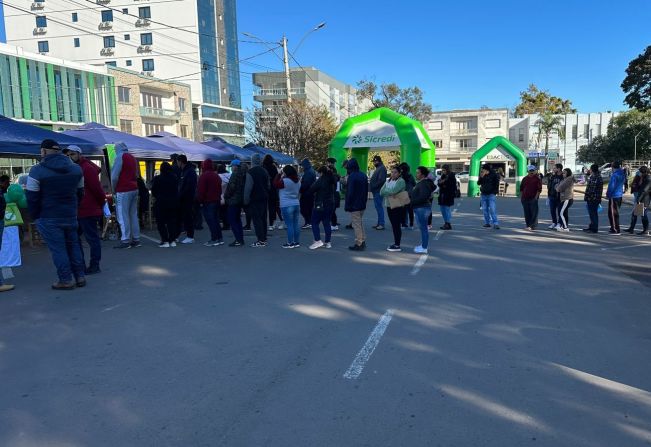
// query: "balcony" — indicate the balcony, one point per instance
point(472, 131)
point(107, 51)
point(275, 93)
point(103, 26)
point(39, 31)
point(152, 112)
point(142, 22)
point(102, 2)
point(456, 150)
point(37, 6)
point(144, 49)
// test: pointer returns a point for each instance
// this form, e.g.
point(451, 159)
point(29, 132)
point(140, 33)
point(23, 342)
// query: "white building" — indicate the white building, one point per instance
point(311, 85)
point(457, 134)
point(200, 50)
point(580, 129)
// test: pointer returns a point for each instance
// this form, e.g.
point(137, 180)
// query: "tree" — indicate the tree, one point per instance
point(619, 142)
point(549, 124)
point(534, 100)
point(406, 101)
point(297, 128)
point(637, 83)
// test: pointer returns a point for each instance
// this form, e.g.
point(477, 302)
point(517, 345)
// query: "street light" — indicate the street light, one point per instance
point(316, 28)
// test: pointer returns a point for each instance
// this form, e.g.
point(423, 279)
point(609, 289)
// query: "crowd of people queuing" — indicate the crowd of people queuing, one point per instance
point(66, 200)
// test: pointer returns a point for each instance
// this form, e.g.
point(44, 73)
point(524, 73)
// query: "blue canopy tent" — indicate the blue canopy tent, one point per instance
point(139, 147)
point(22, 139)
point(238, 152)
point(278, 157)
point(193, 150)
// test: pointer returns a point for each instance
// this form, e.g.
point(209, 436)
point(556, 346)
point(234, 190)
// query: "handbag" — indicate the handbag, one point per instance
point(398, 200)
point(639, 209)
point(12, 215)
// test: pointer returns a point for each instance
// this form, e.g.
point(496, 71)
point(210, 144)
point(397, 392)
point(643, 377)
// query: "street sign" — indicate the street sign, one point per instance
point(552, 154)
point(535, 154)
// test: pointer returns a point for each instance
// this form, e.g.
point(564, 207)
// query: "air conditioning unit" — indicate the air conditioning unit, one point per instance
point(38, 5)
point(147, 73)
point(144, 49)
point(143, 22)
point(107, 51)
point(106, 25)
point(40, 30)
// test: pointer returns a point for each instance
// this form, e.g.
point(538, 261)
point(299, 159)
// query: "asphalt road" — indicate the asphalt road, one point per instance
point(500, 338)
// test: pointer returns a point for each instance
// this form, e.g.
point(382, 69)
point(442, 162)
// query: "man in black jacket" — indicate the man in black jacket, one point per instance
point(489, 186)
point(256, 196)
point(187, 193)
point(553, 196)
point(378, 179)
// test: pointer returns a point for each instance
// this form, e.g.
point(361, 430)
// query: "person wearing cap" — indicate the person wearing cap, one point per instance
point(124, 177)
point(256, 196)
point(91, 206)
point(489, 187)
point(530, 189)
point(55, 187)
point(378, 179)
point(234, 197)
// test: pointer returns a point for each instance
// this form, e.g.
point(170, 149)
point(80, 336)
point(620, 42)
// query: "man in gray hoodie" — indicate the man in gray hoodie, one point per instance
point(256, 195)
point(378, 179)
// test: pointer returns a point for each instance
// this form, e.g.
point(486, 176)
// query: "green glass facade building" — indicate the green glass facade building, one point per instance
point(53, 93)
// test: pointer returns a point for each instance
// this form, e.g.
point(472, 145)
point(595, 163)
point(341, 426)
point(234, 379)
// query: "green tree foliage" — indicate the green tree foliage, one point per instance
point(549, 124)
point(534, 100)
point(619, 142)
point(406, 101)
point(637, 84)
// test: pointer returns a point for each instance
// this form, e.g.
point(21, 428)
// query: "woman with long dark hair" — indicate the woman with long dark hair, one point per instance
point(288, 185)
point(165, 191)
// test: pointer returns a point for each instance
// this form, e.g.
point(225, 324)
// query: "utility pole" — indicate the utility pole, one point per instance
point(286, 62)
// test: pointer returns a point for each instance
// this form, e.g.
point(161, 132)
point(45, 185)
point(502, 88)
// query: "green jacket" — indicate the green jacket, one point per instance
point(391, 188)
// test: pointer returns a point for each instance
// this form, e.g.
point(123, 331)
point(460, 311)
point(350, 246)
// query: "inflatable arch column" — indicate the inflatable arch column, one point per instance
point(511, 149)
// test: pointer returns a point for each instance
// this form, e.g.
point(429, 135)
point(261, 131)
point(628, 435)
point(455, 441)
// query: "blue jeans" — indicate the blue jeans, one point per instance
point(593, 212)
point(318, 216)
point(89, 227)
point(379, 207)
point(290, 216)
point(422, 214)
point(554, 209)
point(446, 212)
point(60, 235)
point(211, 214)
point(235, 219)
point(490, 209)
point(126, 210)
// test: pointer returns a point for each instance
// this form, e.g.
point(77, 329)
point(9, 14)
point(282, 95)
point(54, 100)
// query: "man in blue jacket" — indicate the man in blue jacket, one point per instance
point(356, 198)
point(54, 188)
point(617, 185)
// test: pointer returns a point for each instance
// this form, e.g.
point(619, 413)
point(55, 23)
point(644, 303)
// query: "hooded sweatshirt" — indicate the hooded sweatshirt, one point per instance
point(617, 184)
point(234, 195)
point(309, 176)
point(209, 189)
point(92, 204)
point(125, 170)
point(54, 188)
point(188, 183)
point(357, 188)
point(288, 188)
point(378, 178)
point(258, 184)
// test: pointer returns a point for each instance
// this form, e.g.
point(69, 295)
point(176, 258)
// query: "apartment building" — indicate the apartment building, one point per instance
point(457, 134)
point(148, 105)
point(185, 40)
point(311, 85)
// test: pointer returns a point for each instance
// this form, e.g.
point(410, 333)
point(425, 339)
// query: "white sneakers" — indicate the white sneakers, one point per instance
point(316, 244)
point(420, 250)
point(164, 245)
point(553, 226)
point(188, 240)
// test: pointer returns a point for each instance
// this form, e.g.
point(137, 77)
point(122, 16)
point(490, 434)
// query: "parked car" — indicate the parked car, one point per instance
point(463, 177)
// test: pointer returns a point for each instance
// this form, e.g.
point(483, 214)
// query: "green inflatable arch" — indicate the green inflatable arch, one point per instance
point(504, 146)
point(383, 130)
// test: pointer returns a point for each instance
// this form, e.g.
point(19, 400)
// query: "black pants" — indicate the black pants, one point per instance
point(166, 221)
point(613, 213)
point(530, 208)
point(593, 212)
point(564, 213)
point(223, 216)
point(408, 214)
point(273, 207)
point(186, 216)
point(258, 211)
point(306, 203)
point(395, 217)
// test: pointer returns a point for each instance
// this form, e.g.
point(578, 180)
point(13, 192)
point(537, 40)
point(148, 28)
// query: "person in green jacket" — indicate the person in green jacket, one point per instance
point(389, 192)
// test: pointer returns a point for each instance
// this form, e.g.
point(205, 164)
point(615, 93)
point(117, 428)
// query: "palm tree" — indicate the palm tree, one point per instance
point(549, 124)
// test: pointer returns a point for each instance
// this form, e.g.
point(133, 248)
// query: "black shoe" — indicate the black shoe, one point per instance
point(357, 247)
point(644, 233)
point(63, 285)
point(81, 282)
point(247, 228)
point(486, 225)
point(630, 230)
point(349, 227)
point(236, 244)
point(93, 269)
point(123, 246)
point(135, 244)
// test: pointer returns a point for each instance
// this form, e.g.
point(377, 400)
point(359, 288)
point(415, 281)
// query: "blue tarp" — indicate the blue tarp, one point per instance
point(279, 157)
point(22, 139)
point(238, 152)
point(194, 151)
point(139, 147)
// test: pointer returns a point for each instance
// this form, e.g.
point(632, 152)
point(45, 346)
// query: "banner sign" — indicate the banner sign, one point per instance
point(375, 134)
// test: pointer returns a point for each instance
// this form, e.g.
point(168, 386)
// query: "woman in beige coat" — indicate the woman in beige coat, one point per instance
point(566, 189)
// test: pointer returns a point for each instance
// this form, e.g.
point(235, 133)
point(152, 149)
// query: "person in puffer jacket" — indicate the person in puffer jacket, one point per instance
point(209, 195)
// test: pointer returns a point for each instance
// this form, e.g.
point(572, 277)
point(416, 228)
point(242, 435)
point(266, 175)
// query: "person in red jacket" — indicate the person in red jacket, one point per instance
point(209, 195)
point(124, 178)
point(90, 209)
point(530, 189)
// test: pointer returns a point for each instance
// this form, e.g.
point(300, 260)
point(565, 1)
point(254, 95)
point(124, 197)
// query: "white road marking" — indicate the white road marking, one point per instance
point(149, 238)
point(626, 246)
point(365, 353)
point(438, 235)
point(421, 261)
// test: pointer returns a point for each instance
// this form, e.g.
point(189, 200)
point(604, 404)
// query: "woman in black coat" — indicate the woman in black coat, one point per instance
point(165, 191)
point(447, 190)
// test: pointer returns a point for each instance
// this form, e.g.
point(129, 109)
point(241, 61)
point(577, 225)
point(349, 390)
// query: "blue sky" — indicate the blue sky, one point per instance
point(463, 54)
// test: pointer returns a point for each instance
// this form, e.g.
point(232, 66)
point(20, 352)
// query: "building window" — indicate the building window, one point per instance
point(126, 126)
point(144, 12)
point(464, 143)
point(125, 10)
point(107, 15)
point(75, 17)
point(152, 101)
point(493, 124)
point(575, 131)
point(124, 94)
point(184, 131)
point(147, 65)
point(43, 46)
point(438, 144)
point(127, 37)
point(111, 64)
point(151, 129)
point(146, 39)
point(129, 63)
point(76, 42)
point(182, 104)
point(436, 125)
point(597, 129)
point(586, 130)
point(41, 21)
point(520, 134)
point(109, 42)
